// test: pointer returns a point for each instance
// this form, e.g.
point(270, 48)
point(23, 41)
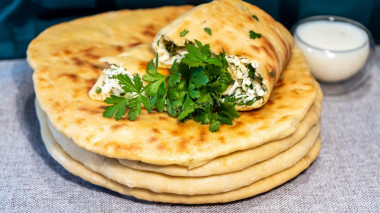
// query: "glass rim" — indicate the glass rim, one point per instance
point(331, 18)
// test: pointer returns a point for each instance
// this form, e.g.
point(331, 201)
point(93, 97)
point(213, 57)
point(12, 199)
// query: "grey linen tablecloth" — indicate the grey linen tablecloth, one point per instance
point(344, 178)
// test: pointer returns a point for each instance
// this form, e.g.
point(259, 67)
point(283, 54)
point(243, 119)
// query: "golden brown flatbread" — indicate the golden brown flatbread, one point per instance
point(228, 163)
point(258, 187)
point(66, 63)
point(230, 23)
point(159, 183)
point(241, 159)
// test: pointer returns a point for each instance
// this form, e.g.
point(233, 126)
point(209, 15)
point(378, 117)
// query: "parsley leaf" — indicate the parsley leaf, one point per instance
point(199, 55)
point(127, 84)
point(215, 124)
point(156, 90)
point(255, 17)
point(271, 73)
point(118, 108)
point(199, 77)
point(208, 31)
point(227, 113)
point(228, 109)
point(161, 97)
point(175, 76)
point(153, 74)
point(119, 104)
point(135, 108)
point(254, 35)
point(203, 116)
point(183, 32)
point(193, 93)
point(187, 108)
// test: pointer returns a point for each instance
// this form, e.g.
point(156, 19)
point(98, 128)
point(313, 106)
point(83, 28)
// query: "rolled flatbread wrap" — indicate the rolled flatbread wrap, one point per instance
point(257, 47)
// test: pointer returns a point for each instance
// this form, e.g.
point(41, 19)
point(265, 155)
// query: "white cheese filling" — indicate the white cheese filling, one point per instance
point(245, 88)
point(111, 84)
point(167, 58)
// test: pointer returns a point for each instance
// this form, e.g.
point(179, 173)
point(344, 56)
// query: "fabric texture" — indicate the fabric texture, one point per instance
point(344, 178)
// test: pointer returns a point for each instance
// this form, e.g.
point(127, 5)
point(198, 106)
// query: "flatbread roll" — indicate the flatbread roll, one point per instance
point(257, 47)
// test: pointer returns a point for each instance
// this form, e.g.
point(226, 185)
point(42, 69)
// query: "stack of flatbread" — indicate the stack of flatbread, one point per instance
point(156, 157)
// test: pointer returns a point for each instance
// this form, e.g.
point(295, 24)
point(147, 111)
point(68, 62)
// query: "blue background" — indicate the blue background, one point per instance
point(22, 20)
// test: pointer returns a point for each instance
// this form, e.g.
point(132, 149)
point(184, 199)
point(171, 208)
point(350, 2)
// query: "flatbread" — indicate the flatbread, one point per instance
point(258, 187)
point(231, 22)
point(224, 164)
point(112, 169)
point(84, 40)
point(242, 159)
point(65, 60)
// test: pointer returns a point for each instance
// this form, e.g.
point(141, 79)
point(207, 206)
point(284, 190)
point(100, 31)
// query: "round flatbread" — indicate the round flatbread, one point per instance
point(241, 159)
point(65, 60)
point(258, 187)
point(156, 182)
point(132, 60)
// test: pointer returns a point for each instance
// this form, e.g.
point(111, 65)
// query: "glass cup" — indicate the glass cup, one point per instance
point(339, 67)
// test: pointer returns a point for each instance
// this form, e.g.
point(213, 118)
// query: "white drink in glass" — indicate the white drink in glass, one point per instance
point(334, 50)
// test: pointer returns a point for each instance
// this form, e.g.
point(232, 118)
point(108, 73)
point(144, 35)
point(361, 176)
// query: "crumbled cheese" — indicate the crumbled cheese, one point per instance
point(245, 88)
point(164, 56)
point(111, 84)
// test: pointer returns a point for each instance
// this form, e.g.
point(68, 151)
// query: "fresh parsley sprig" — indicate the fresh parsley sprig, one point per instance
point(156, 90)
point(135, 88)
point(193, 90)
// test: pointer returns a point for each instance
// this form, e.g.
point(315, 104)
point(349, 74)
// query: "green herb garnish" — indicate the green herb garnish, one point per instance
point(251, 71)
point(183, 32)
point(254, 35)
point(193, 90)
point(255, 17)
point(271, 74)
point(208, 31)
point(170, 46)
point(98, 90)
point(135, 88)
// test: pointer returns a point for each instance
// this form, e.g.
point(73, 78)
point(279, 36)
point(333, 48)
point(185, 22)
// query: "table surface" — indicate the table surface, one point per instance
point(344, 178)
